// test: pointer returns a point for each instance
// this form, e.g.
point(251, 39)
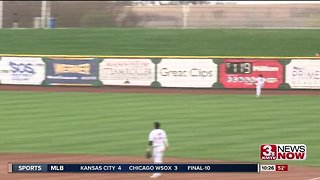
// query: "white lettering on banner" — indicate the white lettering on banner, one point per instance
point(89, 78)
point(235, 79)
point(134, 72)
point(265, 68)
point(241, 79)
point(22, 70)
point(271, 80)
point(61, 77)
point(303, 74)
point(198, 73)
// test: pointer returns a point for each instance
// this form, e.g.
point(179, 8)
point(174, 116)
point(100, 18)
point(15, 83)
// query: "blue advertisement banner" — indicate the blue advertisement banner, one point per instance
point(72, 72)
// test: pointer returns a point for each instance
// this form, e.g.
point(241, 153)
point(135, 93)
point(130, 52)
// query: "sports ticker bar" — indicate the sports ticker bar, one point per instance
point(131, 168)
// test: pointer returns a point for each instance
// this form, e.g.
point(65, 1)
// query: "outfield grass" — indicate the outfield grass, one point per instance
point(223, 127)
point(162, 42)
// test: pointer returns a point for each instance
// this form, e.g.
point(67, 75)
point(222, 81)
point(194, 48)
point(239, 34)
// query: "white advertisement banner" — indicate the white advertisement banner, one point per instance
point(22, 70)
point(303, 74)
point(198, 73)
point(127, 72)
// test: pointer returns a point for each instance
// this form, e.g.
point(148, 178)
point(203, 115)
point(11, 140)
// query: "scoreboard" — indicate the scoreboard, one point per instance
point(242, 73)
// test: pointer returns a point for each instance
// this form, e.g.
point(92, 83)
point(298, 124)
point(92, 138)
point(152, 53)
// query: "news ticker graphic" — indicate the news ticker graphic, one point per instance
point(131, 168)
point(283, 152)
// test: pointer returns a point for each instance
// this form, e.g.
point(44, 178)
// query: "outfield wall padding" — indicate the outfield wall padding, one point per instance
point(174, 72)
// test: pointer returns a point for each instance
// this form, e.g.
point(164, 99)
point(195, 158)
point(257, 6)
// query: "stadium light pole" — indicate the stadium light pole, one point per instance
point(185, 12)
point(1, 14)
point(48, 13)
point(44, 13)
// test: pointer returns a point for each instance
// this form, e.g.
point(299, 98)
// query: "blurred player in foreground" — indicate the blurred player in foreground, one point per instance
point(158, 141)
point(259, 84)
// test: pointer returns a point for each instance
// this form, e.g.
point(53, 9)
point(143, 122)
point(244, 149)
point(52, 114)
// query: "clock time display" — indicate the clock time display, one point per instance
point(238, 68)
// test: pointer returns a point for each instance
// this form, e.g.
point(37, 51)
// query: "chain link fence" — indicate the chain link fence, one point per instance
point(104, 14)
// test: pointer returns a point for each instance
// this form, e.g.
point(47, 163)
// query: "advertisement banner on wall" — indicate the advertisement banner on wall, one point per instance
point(22, 70)
point(197, 73)
point(303, 74)
point(241, 73)
point(72, 71)
point(127, 72)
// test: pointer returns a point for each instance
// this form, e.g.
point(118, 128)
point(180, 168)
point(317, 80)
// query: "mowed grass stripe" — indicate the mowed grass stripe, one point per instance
point(70, 121)
point(229, 127)
point(179, 42)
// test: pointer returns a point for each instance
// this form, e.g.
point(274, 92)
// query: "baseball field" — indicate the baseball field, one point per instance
point(106, 125)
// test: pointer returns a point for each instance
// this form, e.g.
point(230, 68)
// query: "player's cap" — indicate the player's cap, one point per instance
point(157, 125)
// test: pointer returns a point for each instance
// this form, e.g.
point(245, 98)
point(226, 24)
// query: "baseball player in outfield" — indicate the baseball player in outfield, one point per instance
point(158, 141)
point(259, 84)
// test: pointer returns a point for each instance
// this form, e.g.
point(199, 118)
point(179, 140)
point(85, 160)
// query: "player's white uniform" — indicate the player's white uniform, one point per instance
point(159, 143)
point(259, 84)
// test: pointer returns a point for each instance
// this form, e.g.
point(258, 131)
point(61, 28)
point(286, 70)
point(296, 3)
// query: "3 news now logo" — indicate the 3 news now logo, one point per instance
point(283, 152)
